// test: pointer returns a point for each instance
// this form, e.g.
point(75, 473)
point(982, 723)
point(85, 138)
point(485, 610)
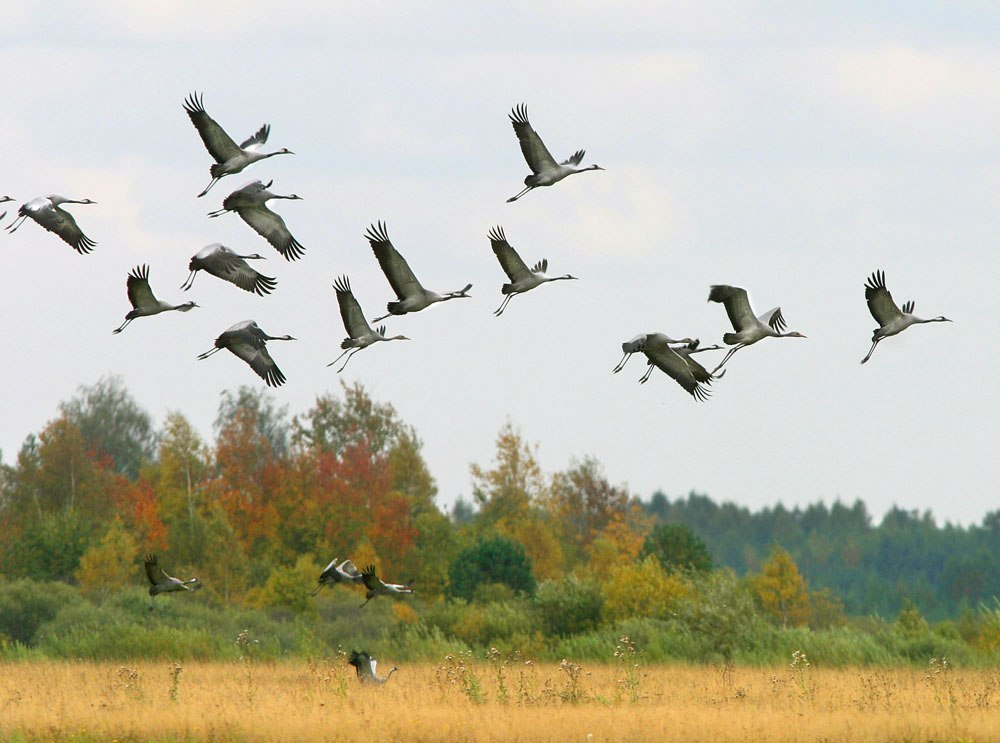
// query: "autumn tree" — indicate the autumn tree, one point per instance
point(583, 503)
point(112, 424)
point(781, 589)
point(515, 485)
point(641, 589)
point(111, 562)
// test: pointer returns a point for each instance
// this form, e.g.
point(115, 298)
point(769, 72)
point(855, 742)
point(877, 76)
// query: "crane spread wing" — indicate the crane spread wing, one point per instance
point(153, 570)
point(259, 138)
point(348, 568)
point(775, 319)
point(575, 159)
point(272, 228)
point(369, 578)
point(237, 271)
point(880, 302)
point(737, 305)
point(675, 366)
point(219, 144)
point(510, 261)
point(139, 293)
point(536, 154)
point(260, 361)
point(350, 311)
point(394, 266)
point(61, 222)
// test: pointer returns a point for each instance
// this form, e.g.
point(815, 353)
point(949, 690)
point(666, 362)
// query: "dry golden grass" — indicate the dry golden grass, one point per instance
point(322, 701)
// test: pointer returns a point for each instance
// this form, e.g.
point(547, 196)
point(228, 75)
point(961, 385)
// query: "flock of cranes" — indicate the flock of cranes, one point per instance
point(248, 341)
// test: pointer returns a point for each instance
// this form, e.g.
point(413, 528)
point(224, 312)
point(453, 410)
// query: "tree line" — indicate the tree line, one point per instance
point(273, 497)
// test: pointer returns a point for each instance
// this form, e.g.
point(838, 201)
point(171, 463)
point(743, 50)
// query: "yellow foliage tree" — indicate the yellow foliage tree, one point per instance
point(642, 589)
point(110, 563)
point(541, 545)
point(618, 542)
point(782, 591)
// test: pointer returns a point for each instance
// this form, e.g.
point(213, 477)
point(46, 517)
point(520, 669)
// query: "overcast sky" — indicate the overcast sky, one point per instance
point(788, 150)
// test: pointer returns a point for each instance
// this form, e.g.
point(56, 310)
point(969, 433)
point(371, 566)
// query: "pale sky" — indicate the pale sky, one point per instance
point(788, 150)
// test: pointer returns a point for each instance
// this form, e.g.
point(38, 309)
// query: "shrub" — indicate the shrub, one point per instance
point(26, 604)
point(569, 606)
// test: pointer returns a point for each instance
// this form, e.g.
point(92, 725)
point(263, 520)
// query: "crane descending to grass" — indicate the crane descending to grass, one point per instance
point(247, 341)
point(229, 158)
point(544, 169)
point(227, 265)
point(749, 328)
point(47, 211)
point(522, 279)
point(376, 587)
point(160, 582)
point(412, 296)
point(365, 665)
point(360, 333)
point(144, 303)
point(250, 202)
point(334, 573)
point(887, 314)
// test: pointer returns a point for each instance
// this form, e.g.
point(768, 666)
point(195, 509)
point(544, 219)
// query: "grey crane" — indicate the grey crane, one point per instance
point(749, 328)
point(228, 265)
point(638, 343)
point(144, 303)
point(377, 587)
point(544, 169)
point(890, 318)
point(4, 199)
point(47, 211)
point(250, 202)
point(247, 341)
point(673, 357)
point(360, 333)
point(229, 157)
point(160, 582)
point(365, 666)
point(522, 279)
point(337, 572)
point(412, 296)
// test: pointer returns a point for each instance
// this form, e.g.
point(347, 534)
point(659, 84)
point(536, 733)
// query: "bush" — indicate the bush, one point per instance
point(26, 604)
point(569, 606)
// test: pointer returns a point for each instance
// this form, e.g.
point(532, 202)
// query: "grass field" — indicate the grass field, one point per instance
point(494, 700)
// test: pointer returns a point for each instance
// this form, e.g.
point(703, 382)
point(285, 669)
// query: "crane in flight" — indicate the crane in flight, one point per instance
point(749, 328)
point(522, 279)
point(250, 202)
point(360, 333)
point(144, 302)
point(411, 294)
point(337, 572)
point(377, 587)
point(229, 157)
point(247, 341)
point(226, 264)
point(544, 169)
point(160, 582)
point(890, 318)
point(48, 212)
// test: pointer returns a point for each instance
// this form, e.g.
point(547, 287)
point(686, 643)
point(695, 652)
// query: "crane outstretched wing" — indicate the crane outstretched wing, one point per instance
point(536, 154)
point(137, 284)
point(350, 311)
point(219, 144)
point(736, 302)
point(393, 265)
point(880, 301)
point(510, 261)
